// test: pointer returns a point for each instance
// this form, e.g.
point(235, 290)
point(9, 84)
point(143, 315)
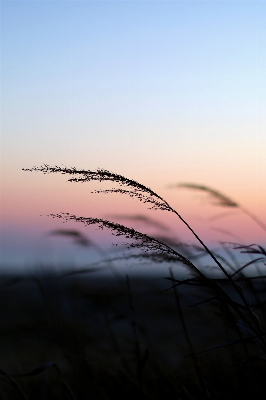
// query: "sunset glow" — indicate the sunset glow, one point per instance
point(160, 92)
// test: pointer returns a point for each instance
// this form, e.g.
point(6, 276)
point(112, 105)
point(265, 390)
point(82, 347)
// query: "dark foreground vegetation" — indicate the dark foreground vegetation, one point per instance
point(94, 335)
point(90, 336)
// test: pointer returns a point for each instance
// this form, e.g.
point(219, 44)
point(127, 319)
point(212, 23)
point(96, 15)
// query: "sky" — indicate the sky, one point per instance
point(162, 92)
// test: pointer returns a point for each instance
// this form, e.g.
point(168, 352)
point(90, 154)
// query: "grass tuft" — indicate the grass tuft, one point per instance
point(203, 339)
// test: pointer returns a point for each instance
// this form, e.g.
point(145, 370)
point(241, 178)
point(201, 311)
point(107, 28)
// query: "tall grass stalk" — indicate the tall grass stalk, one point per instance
point(222, 200)
point(190, 345)
point(249, 323)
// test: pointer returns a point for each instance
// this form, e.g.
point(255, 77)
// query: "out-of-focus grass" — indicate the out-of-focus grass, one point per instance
point(81, 337)
point(73, 336)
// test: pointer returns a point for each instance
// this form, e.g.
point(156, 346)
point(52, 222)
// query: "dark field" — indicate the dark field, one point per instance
point(93, 336)
point(102, 336)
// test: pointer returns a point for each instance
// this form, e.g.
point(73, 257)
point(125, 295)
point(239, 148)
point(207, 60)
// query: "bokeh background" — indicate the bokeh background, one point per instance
point(162, 92)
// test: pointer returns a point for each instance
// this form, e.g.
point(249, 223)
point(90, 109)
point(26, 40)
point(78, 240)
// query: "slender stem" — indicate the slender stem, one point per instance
point(258, 329)
point(252, 216)
point(135, 333)
point(190, 345)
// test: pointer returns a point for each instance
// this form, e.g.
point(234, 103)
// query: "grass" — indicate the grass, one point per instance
point(86, 334)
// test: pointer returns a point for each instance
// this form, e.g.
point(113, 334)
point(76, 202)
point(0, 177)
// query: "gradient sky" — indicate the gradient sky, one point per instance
point(159, 91)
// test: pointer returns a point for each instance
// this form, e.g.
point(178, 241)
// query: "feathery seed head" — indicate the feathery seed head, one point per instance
point(221, 200)
point(137, 190)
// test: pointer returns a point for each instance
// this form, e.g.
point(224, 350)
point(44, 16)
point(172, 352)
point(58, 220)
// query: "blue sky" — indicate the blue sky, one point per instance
point(88, 68)
point(158, 91)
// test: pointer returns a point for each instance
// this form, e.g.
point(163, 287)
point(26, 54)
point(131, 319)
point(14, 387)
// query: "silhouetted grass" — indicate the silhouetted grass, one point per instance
point(87, 333)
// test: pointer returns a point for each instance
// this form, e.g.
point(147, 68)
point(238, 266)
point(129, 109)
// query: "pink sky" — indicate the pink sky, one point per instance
point(160, 92)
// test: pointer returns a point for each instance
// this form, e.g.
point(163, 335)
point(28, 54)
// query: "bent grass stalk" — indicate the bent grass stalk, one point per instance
point(222, 200)
point(147, 243)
